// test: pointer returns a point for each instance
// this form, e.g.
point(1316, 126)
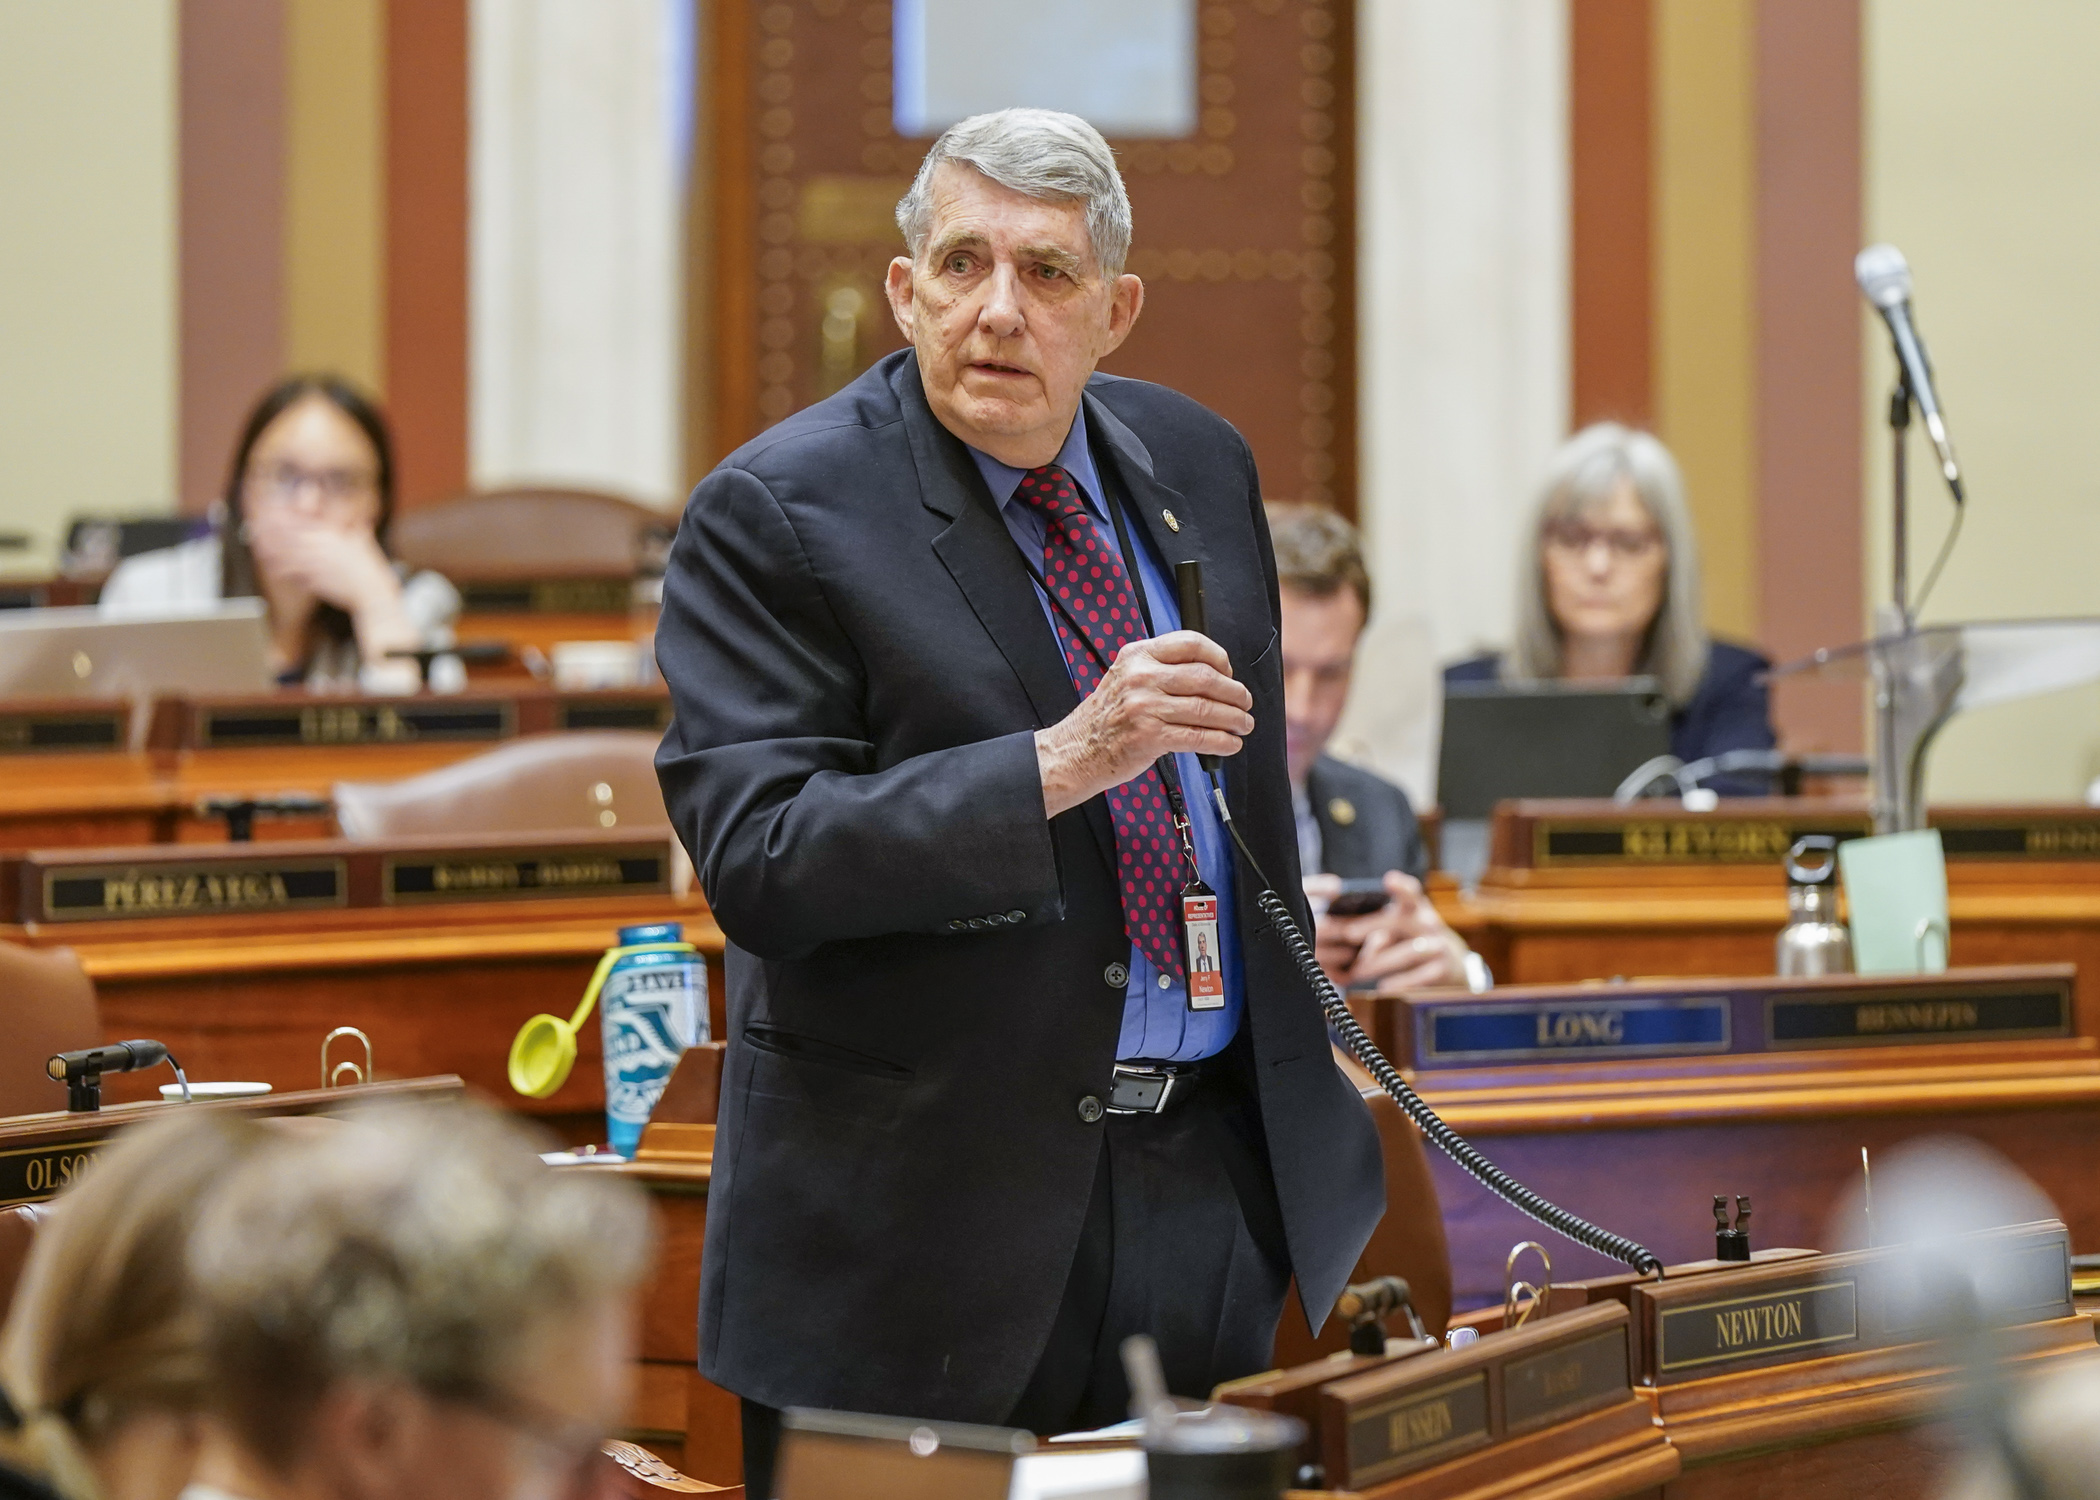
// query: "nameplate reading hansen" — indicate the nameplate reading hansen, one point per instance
point(1421, 1411)
point(1692, 1018)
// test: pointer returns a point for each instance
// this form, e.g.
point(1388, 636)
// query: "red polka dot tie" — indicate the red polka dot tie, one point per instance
point(1096, 613)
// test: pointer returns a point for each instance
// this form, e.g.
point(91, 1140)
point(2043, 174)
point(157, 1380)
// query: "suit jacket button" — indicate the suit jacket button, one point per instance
point(1017, 917)
point(1116, 976)
point(1090, 1109)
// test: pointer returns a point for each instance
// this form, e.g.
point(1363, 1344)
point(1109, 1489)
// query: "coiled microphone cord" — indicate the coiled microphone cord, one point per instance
point(1449, 1141)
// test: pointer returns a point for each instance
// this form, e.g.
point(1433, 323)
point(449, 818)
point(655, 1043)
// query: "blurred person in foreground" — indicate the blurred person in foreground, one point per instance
point(101, 1355)
point(1351, 823)
point(303, 526)
point(1608, 588)
point(415, 1305)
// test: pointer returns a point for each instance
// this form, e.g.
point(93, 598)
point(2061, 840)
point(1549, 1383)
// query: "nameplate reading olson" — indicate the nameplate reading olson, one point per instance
point(1419, 1428)
point(34, 1173)
point(355, 724)
point(469, 876)
point(192, 888)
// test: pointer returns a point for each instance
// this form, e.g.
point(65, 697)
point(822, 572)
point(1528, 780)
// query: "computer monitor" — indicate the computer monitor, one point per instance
point(83, 653)
point(1549, 739)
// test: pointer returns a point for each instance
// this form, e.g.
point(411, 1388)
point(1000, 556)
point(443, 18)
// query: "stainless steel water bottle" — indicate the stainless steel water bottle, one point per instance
point(1813, 941)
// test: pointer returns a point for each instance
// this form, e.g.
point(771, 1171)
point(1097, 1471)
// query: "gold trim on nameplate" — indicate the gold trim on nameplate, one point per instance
point(53, 1182)
point(1688, 841)
point(1664, 1316)
point(1415, 1457)
point(29, 733)
point(1956, 1013)
point(480, 875)
point(191, 888)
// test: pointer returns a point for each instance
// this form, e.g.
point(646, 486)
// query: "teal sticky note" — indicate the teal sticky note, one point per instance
point(1896, 888)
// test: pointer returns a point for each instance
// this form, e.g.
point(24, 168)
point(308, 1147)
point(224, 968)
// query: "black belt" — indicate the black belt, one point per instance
point(1144, 1088)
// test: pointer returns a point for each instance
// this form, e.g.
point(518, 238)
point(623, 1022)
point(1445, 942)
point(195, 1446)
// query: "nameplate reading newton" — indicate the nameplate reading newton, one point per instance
point(189, 888)
point(652, 714)
point(1565, 1382)
point(481, 875)
point(1558, 844)
point(1739, 1330)
point(63, 733)
point(1941, 1013)
point(1417, 1429)
point(354, 723)
point(1499, 1031)
point(35, 1173)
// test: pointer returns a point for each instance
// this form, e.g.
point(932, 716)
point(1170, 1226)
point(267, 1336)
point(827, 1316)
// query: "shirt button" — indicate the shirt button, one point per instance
point(978, 924)
point(957, 924)
point(1090, 1109)
point(1017, 916)
point(1165, 983)
point(1116, 975)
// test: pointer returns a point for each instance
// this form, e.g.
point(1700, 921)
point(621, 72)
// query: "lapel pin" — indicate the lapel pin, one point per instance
point(1168, 517)
point(1342, 810)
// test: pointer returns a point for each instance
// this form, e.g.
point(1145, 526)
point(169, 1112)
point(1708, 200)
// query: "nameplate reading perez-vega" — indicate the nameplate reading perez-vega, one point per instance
point(469, 875)
point(1417, 1428)
point(191, 888)
point(1820, 1317)
point(35, 1173)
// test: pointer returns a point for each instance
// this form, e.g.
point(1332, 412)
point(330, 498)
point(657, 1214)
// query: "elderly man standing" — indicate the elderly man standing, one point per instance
point(936, 725)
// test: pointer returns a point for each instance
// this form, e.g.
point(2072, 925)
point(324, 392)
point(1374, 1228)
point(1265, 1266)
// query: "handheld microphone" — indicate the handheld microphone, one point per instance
point(1188, 583)
point(1884, 276)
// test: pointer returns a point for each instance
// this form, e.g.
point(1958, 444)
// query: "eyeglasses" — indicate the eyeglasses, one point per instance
point(282, 483)
point(1624, 545)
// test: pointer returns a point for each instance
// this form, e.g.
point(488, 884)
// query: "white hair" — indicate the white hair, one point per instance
point(1585, 472)
point(1040, 153)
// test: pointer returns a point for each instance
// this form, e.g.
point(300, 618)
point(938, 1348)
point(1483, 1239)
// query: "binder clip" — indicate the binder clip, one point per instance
point(1731, 1242)
point(331, 1078)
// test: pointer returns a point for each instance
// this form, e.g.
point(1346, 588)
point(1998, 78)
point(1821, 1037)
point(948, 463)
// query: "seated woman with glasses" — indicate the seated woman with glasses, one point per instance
point(304, 524)
point(1608, 588)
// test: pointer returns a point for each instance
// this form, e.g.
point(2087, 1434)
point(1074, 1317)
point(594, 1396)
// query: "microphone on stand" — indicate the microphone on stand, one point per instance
point(1884, 276)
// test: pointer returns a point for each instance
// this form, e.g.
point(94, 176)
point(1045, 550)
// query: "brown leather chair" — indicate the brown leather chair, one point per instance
point(18, 1226)
point(47, 1005)
point(532, 533)
point(1409, 1241)
point(540, 784)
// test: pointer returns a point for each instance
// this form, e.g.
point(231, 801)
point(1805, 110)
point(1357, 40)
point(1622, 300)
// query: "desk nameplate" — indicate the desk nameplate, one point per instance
point(1784, 1312)
point(64, 731)
point(510, 875)
point(1711, 1017)
point(350, 722)
point(614, 712)
point(187, 888)
point(32, 1174)
point(547, 596)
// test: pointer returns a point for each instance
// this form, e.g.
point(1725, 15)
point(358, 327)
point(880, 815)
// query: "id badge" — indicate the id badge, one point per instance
point(1205, 956)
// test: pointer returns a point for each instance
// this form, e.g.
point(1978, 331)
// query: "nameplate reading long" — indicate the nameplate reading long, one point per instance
point(191, 888)
point(1476, 1033)
point(1417, 1429)
point(63, 733)
point(467, 875)
point(1741, 1329)
point(354, 724)
point(1565, 1382)
point(34, 1173)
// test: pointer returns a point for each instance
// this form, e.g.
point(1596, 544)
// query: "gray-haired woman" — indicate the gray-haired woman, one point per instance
point(1609, 588)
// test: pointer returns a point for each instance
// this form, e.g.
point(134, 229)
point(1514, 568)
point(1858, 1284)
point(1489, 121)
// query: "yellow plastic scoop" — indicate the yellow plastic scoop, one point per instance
point(544, 1050)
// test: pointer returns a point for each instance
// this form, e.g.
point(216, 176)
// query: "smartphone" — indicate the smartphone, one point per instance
point(1359, 898)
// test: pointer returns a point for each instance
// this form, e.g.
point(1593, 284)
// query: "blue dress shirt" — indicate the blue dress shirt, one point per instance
point(1158, 1025)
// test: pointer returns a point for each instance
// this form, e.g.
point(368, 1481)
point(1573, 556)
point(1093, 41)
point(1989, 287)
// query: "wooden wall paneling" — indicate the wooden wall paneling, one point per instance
point(1610, 168)
point(1245, 231)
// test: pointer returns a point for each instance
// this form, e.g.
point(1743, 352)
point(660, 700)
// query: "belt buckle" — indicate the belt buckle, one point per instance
point(1142, 1091)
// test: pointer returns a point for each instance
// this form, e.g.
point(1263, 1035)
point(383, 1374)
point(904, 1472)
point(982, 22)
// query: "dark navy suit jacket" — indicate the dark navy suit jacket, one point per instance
point(926, 977)
point(1731, 710)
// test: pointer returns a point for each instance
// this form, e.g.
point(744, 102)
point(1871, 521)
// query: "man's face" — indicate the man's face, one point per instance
point(1009, 311)
point(1319, 653)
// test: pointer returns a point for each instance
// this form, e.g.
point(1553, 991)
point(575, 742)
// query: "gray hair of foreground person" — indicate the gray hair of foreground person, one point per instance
point(1038, 153)
point(104, 1327)
point(425, 1245)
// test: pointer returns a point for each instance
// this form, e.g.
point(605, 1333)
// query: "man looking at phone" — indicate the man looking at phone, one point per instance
point(1353, 826)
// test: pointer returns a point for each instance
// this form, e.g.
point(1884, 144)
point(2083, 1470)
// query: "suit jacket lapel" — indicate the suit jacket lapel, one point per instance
point(979, 554)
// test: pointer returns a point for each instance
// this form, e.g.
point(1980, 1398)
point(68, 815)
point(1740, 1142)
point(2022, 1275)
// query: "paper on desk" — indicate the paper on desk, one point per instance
point(1896, 889)
point(1118, 1474)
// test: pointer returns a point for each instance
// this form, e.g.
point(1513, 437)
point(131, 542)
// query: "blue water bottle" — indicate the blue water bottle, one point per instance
point(652, 1007)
